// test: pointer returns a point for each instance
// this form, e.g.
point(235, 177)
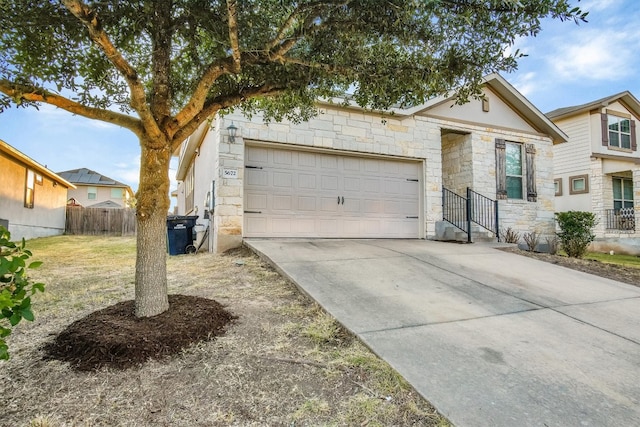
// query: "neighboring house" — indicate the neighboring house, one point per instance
point(97, 191)
point(32, 198)
point(353, 173)
point(598, 169)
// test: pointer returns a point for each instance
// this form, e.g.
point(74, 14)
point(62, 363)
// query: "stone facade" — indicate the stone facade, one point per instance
point(455, 153)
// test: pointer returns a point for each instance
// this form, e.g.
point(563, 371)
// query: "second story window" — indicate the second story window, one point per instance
point(116, 193)
point(92, 193)
point(619, 132)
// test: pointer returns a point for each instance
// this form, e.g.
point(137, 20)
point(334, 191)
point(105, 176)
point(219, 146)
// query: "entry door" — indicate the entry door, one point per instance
point(290, 193)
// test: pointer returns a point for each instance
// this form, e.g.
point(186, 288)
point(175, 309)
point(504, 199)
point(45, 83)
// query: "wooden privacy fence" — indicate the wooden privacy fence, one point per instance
point(100, 221)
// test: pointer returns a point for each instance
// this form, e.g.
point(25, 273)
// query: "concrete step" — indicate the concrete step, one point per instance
point(447, 232)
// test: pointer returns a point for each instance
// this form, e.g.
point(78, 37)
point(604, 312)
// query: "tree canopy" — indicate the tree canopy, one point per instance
point(175, 62)
point(162, 67)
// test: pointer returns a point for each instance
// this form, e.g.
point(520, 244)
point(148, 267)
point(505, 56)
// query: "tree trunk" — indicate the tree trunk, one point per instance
point(152, 206)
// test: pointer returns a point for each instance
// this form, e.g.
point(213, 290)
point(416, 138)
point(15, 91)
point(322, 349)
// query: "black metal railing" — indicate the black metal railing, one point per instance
point(484, 211)
point(461, 211)
point(621, 219)
point(454, 211)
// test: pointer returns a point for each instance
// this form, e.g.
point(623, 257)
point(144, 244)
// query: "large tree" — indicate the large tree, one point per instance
point(161, 67)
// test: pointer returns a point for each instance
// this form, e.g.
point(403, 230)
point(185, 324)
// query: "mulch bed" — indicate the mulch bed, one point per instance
point(114, 337)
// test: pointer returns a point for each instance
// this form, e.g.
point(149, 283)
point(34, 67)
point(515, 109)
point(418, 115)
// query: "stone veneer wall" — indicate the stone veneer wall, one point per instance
point(457, 161)
point(415, 137)
point(521, 215)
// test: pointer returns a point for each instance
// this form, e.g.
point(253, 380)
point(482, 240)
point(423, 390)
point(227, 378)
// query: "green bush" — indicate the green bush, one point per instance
point(15, 287)
point(575, 232)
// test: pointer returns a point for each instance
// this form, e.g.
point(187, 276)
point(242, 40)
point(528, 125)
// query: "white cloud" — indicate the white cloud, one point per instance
point(598, 5)
point(527, 84)
point(595, 55)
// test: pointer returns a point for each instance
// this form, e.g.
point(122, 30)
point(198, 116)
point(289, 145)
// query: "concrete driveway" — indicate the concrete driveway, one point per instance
point(490, 338)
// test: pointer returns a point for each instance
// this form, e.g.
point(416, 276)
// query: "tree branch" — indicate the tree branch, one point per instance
point(233, 34)
point(33, 94)
point(161, 33)
point(213, 72)
point(215, 105)
point(138, 98)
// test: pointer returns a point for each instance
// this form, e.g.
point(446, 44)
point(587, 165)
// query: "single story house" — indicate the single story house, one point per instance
point(32, 198)
point(354, 173)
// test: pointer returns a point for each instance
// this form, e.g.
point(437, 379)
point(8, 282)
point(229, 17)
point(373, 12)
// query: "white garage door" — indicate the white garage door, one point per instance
point(291, 193)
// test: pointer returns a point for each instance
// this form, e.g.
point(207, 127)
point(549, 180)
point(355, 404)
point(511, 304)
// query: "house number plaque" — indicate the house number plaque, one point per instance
point(230, 173)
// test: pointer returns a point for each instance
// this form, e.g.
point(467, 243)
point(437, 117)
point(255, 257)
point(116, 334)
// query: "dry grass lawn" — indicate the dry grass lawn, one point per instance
point(283, 363)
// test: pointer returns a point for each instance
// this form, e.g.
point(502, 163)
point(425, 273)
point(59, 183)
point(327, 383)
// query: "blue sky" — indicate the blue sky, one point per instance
point(567, 64)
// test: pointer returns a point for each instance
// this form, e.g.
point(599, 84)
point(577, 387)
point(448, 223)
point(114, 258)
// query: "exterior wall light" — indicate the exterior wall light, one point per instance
point(232, 133)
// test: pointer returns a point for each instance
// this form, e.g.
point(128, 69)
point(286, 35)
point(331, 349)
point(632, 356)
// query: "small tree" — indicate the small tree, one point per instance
point(575, 231)
point(15, 287)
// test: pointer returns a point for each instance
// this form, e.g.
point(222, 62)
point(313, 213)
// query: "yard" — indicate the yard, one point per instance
point(282, 362)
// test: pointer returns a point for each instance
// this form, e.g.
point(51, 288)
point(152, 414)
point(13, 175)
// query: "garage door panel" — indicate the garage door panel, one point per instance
point(329, 227)
point(307, 160)
point(352, 164)
point(281, 225)
point(282, 157)
point(307, 204)
point(283, 179)
point(307, 181)
point(257, 177)
point(304, 226)
point(255, 226)
point(329, 204)
point(351, 183)
point(329, 183)
point(258, 155)
point(399, 227)
point(372, 206)
point(306, 194)
point(256, 201)
point(352, 206)
point(282, 203)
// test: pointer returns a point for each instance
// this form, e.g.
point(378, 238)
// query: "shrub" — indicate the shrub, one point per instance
point(531, 239)
point(575, 231)
point(510, 235)
point(15, 287)
point(552, 243)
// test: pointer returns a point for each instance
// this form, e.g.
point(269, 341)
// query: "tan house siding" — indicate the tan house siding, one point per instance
point(103, 194)
point(587, 155)
point(573, 159)
point(46, 218)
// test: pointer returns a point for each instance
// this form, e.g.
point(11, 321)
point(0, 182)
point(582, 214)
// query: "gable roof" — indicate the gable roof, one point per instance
point(626, 97)
point(108, 204)
point(86, 176)
point(29, 162)
point(506, 91)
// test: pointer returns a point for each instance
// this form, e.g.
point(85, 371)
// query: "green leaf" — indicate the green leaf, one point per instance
point(4, 350)
point(27, 314)
point(35, 264)
point(26, 303)
point(15, 318)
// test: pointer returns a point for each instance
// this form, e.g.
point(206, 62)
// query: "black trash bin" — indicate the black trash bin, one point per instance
point(180, 233)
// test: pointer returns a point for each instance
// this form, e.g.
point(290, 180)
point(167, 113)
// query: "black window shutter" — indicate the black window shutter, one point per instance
point(634, 142)
point(501, 170)
point(605, 129)
point(532, 194)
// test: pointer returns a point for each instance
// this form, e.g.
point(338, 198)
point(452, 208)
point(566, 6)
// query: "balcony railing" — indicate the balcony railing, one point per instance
point(621, 219)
